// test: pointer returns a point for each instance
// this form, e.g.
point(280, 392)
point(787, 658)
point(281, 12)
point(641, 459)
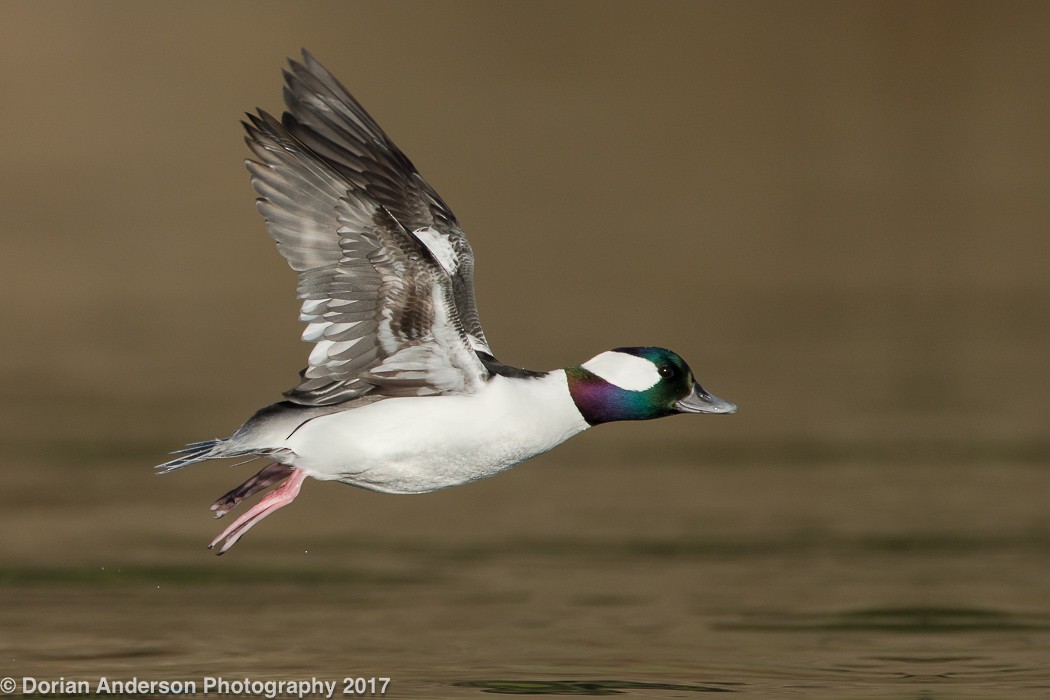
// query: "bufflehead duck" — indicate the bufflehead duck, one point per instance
point(401, 393)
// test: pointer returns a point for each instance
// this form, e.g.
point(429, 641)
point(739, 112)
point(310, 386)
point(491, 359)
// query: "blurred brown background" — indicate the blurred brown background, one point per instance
point(837, 212)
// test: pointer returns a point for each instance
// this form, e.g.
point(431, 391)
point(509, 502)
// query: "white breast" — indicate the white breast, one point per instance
point(419, 444)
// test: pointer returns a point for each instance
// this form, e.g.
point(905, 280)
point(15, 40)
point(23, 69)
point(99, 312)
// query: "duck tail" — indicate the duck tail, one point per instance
point(193, 453)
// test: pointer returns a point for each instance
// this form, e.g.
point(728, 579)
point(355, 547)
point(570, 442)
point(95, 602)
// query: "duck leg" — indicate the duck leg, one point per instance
point(267, 476)
point(276, 499)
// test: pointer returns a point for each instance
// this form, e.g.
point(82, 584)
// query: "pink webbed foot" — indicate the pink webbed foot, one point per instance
point(275, 500)
point(267, 476)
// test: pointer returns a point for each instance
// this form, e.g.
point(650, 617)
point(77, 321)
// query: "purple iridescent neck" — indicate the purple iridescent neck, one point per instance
point(599, 401)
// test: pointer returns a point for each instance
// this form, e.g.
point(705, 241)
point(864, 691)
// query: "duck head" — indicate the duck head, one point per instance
point(638, 384)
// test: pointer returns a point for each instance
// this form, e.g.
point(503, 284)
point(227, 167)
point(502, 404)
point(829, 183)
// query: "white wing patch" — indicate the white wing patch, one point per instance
point(478, 345)
point(625, 371)
point(438, 363)
point(439, 246)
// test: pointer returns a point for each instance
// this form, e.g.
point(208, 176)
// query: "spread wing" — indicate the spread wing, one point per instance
point(379, 305)
point(325, 117)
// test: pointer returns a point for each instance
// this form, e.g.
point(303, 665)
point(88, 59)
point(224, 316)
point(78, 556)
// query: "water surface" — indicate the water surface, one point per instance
point(573, 578)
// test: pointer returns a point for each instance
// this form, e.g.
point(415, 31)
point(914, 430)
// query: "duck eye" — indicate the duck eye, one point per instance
point(666, 371)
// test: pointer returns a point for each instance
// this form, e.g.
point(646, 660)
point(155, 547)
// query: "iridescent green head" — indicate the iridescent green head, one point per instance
point(638, 384)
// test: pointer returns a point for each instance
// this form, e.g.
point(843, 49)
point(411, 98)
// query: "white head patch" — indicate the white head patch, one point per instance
point(439, 246)
point(625, 371)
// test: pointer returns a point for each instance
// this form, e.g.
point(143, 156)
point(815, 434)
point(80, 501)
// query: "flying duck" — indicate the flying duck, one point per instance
point(401, 393)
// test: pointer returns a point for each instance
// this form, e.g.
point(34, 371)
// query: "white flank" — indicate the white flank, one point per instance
point(419, 444)
point(439, 246)
point(625, 371)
